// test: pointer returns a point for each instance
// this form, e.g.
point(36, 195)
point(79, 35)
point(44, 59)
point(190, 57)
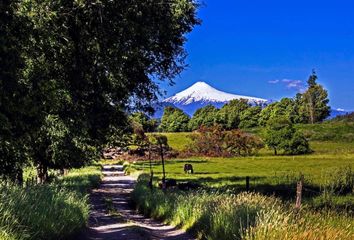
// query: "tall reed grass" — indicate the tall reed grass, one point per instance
point(53, 211)
point(215, 215)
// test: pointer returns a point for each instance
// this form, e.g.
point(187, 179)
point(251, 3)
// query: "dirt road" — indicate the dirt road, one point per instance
point(112, 217)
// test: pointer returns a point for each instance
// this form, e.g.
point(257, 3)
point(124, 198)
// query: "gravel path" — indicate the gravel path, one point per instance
point(112, 217)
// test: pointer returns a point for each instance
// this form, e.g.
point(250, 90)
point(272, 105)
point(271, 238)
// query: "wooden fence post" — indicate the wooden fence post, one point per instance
point(247, 183)
point(299, 192)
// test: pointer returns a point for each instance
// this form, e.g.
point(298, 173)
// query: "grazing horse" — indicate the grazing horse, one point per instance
point(188, 168)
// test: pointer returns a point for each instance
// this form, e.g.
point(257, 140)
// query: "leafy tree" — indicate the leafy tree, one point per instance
point(14, 33)
point(141, 120)
point(297, 145)
point(315, 101)
point(300, 116)
point(86, 64)
point(280, 134)
point(206, 116)
point(266, 114)
point(174, 120)
point(286, 107)
point(250, 117)
point(279, 131)
point(230, 114)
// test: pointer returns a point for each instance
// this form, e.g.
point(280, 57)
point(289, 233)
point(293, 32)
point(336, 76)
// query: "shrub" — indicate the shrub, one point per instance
point(214, 141)
point(298, 144)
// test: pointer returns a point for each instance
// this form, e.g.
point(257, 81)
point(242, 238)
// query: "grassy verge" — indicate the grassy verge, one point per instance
point(214, 215)
point(53, 211)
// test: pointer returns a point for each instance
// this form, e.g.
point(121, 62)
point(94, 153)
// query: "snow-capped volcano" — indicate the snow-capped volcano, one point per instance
point(200, 95)
point(203, 93)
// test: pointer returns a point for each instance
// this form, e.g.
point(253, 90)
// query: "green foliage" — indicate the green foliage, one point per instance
point(280, 134)
point(231, 113)
point(250, 117)
point(141, 120)
point(13, 123)
point(298, 144)
point(214, 141)
point(174, 120)
point(70, 71)
point(286, 107)
point(315, 101)
point(47, 211)
point(63, 145)
point(206, 116)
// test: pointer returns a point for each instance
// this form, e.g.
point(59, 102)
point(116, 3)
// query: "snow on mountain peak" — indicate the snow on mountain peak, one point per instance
point(202, 92)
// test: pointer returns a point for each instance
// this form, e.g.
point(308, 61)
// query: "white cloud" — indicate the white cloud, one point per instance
point(273, 81)
point(290, 84)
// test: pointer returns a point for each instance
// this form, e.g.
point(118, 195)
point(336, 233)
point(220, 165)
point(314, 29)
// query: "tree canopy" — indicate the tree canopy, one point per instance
point(205, 116)
point(315, 101)
point(230, 114)
point(280, 134)
point(174, 120)
point(79, 66)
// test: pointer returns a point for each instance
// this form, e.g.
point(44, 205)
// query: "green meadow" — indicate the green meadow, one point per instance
point(329, 167)
point(316, 167)
point(221, 208)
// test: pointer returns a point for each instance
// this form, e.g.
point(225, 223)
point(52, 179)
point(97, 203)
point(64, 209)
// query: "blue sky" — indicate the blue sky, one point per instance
point(268, 48)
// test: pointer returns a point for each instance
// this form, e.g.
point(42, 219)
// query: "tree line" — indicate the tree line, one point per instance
point(70, 71)
point(310, 106)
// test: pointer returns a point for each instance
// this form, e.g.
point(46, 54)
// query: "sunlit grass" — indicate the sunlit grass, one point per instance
point(219, 215)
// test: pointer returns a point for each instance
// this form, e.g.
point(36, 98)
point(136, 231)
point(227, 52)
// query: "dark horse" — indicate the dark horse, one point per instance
point(188, 168)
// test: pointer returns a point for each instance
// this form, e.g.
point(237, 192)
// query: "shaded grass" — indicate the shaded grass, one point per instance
point(52, 211)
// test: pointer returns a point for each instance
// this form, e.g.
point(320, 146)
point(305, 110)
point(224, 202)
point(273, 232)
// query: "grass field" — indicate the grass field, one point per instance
point(220, 209)
point(316, 167)
point(50, 211)
point(325, 167)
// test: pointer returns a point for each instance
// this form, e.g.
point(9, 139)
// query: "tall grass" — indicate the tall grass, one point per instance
point(53, 211)
point(215, 215)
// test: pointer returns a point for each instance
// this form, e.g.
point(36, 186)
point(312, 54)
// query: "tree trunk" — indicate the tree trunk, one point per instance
point(42, 173)
point(151, 172)
point(19, 177)
point(163, 166)
point(311, 111)
point(275, 151)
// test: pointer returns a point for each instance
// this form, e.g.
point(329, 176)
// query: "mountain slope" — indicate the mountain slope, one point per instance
point(202, 92)
point(200, 95)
